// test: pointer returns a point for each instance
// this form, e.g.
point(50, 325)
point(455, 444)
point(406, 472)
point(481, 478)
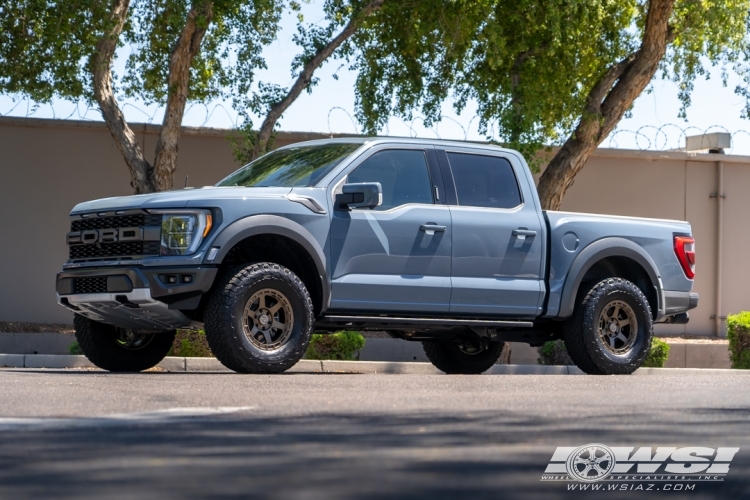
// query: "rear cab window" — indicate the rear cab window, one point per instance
point(484, 181)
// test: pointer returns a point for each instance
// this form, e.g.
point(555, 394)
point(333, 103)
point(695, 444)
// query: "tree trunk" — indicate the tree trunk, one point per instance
point(305, 77)
point(504, 358)
point(183, 53)
point(145, 178)
point(607, 102)
point(101, 68)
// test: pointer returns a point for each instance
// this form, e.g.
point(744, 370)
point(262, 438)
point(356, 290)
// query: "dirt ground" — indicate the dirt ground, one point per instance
point(35, 328)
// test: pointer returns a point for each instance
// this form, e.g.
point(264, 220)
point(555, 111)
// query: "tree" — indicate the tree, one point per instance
point(554, 72)
point(319, 44)
point(181, 52)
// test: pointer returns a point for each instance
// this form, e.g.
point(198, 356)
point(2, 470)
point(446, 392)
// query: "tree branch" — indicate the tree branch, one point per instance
point(187, 47)
point(305, 77)
point(101, 68)
point(606, 104)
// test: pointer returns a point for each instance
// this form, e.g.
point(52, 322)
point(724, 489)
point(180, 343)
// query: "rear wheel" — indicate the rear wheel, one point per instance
point(259, 319)
point(469, 358)
point(121, 350)
point(611, 329)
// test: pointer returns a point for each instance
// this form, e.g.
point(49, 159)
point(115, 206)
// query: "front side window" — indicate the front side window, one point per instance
point(484, 181)
point(299, 166)
point(402, 173)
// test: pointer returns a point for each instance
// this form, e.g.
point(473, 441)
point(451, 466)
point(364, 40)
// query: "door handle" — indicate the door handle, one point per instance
point(524, 232)
point(432, 227)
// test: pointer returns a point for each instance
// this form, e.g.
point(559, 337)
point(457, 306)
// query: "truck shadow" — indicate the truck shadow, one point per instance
point(494, 455)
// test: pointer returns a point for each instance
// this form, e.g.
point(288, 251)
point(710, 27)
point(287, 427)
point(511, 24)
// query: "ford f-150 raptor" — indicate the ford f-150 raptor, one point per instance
point(440, 242)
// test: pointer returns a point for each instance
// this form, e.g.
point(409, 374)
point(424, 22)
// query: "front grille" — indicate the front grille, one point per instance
point(114, 250)
point(124, 249)
point(90, 285)
point(116, 222)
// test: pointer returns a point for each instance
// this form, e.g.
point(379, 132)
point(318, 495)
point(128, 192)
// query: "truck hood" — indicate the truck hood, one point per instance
point(179, 199)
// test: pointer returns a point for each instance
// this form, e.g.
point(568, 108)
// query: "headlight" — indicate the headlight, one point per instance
point(183, 231)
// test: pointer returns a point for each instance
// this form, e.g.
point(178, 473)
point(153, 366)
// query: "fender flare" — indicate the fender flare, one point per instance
point(274, 224)
point(601, 249)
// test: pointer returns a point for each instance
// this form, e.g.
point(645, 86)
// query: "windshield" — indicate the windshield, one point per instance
point(301, 166)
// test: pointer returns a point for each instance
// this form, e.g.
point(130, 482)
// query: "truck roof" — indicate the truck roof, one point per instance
point(403, 140)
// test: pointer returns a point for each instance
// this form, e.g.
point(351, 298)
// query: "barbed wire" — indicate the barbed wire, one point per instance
point(665, 137)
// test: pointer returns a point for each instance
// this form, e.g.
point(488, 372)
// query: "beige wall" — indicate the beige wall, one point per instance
point(48, 166)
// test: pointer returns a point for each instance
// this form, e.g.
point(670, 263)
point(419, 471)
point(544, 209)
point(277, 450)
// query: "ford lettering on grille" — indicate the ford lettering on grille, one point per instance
point(112, 235)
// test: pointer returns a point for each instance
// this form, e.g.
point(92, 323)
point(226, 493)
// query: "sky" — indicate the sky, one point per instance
point(654, 123)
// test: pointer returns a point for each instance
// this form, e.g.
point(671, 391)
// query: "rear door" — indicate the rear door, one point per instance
point(497, 236)
point(396, 257)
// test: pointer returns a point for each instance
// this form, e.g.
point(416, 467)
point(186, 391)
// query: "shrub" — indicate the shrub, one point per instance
point(738, 333)
point(190, 344)
point(340, 345)
point(554, 353)
point(74, 348)
point(657, 355)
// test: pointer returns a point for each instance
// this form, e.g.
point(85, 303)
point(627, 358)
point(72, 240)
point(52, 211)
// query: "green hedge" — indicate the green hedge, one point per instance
point(554, 353)
point(343, 346)
point(658, 354)
point(74, 348)
point(738, 333)
point(190, 344)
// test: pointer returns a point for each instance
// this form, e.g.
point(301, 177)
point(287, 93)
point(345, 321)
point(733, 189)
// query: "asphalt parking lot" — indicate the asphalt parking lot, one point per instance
point(89, 434)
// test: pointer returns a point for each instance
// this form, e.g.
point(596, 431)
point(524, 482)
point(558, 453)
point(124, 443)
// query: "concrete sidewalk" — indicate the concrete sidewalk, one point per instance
point(177, 364)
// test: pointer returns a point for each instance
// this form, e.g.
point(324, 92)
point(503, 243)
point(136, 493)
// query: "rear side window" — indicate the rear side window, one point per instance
point(484, 181)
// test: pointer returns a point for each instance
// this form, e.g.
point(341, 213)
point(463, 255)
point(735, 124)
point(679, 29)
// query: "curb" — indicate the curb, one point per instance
point(177, 364)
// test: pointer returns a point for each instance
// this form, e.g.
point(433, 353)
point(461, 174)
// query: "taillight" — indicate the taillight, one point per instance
point(684, 247)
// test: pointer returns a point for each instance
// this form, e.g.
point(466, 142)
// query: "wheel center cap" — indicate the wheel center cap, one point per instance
point(613, 327)
point(263, 320)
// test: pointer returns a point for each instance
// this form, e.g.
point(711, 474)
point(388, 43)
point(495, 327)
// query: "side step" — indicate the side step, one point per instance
point(363, 321)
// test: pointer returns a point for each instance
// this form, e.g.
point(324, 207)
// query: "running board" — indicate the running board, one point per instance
point(424, 322)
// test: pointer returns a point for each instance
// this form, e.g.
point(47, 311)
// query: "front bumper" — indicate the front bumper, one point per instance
point(136, 298)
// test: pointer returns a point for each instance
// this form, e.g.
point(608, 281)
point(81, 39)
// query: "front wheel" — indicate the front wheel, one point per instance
point(121, 350)
point(611, 329)
point(259, 319)
point(462, 358)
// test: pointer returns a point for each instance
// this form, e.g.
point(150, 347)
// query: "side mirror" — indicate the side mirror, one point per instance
point(360, 195)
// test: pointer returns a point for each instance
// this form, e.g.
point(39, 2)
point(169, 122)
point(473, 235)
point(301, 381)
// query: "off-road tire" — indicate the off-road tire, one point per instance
point(581, 331)
point(99, 343)
point(448, 357)
point(224, 319)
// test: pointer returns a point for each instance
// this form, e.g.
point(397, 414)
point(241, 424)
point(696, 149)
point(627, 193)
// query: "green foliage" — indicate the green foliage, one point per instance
point(74, 348)
point(738, 333)
point(310, 38)
point(191, 344)
point(657, 355)
point(344, 345)
point(554, 353)
point(45, 47)
point(529, 65)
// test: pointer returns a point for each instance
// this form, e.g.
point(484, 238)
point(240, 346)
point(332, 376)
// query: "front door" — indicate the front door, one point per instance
point(497, 240)
point(396, 257)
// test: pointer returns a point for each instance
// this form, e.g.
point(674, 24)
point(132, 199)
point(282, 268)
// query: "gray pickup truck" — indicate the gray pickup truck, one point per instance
point(433, 241)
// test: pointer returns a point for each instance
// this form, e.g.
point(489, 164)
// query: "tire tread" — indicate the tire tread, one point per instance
point(580, 339)
point(222, 335)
